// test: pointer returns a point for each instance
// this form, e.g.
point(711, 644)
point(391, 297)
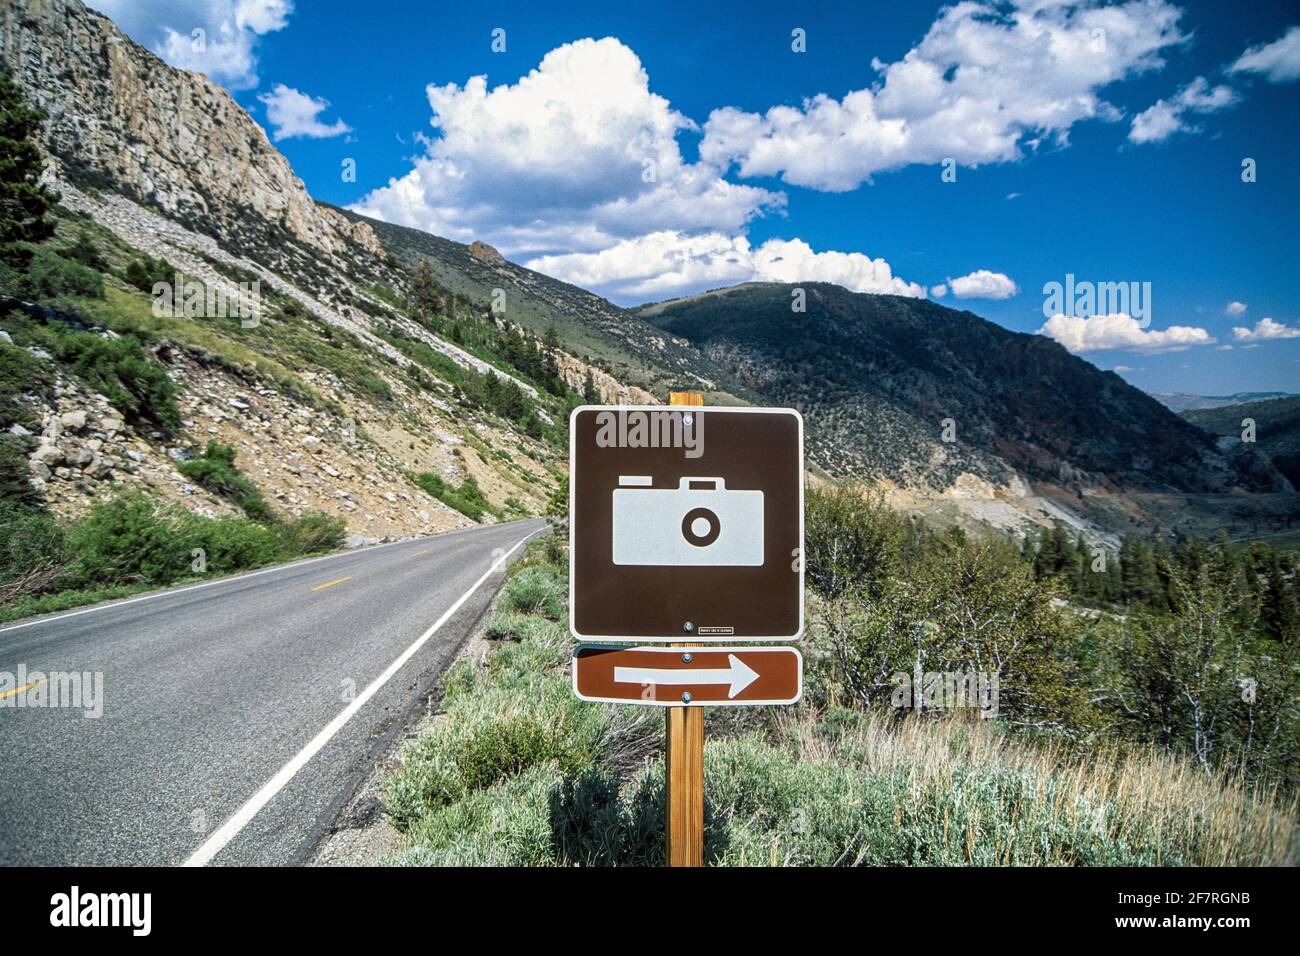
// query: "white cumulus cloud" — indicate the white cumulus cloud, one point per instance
point(575, 156)
point(1235, 308)
point(668, 263)
point(1265, 329)
point(983, 284)
point(986, 83)
point(1120, 331)
point(1278, 61)
point(216, 37)
point(1163, 118)
point(293, 113)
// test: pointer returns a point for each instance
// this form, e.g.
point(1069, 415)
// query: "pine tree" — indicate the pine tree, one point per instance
point(23, 201)
point(424, 301)
point(590, 394)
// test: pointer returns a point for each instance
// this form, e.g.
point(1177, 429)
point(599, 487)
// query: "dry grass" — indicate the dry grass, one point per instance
point(1134, 796)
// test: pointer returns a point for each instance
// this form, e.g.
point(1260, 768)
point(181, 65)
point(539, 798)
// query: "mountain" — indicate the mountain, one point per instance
point(1276, 424)
point(944, 403)
point(628, 348)
point(394, 406)
point(1183, 402)
point(335, 400)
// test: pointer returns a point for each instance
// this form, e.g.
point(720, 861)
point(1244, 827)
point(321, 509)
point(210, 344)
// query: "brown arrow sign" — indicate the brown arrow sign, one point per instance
point(691, 676)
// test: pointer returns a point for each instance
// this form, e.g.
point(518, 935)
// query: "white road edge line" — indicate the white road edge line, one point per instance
point(229, 578)
point(244, 815)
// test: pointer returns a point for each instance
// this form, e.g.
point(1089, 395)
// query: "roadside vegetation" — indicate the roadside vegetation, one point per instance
point(516, 771)
point(132, 543)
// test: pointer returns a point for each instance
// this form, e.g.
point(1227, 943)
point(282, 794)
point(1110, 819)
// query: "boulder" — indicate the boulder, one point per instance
point(80, 456)
point(49, 454)
point(39, 469)
point(74, 420)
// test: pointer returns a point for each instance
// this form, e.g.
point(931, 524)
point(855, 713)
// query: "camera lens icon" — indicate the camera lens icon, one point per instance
point(701, 527)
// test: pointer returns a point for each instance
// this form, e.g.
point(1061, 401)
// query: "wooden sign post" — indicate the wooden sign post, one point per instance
point(684, 729)
point(685, 524)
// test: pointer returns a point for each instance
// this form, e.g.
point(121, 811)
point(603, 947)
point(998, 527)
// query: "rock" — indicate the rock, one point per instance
point(99, 468)
point(74, 420)
point(49, 454)
point(112, 425)
point(4, 337)
point(484, 253)
point(312, 444)
point(16, 429)
point(94, 444)
point(80, 456)
point(42, 354)
point(177, 453)
point(39, 469)
point(236, 403)
point(38, 484)
point(134, 455)
point(359, 541)
point(390, 497)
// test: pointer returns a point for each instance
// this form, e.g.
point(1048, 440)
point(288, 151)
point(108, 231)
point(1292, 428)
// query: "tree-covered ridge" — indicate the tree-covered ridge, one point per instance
point(879, 378)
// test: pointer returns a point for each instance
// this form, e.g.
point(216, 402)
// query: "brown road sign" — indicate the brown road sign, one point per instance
point(685, 523)
point(692, 676)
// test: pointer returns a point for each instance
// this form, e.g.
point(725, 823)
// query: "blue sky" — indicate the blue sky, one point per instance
point(650, 151)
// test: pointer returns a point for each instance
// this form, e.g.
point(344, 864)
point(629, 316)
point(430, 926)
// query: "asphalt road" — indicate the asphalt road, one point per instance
point(238, 715)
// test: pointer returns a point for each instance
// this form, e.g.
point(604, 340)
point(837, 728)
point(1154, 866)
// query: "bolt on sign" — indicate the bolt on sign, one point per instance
point(695, 677)
point(685, 523)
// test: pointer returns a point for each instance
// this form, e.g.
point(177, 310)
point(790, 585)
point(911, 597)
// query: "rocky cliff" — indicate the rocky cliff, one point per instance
point(119, 117)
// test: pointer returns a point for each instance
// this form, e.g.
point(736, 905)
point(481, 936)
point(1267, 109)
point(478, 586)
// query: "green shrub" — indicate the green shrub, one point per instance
point(85, 251)
point(215, 470)
point(15, 478)
point(20, 373)
point(33, 557)
point(231, 544)
point(313, 533)
point(852, 540)
point(513, 626)
point(50, 276)
point(537, 589)
point(468, 498)
point(144, 273)
point(129, 540)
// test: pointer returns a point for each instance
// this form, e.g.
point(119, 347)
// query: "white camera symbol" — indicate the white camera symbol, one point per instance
point(697, 524)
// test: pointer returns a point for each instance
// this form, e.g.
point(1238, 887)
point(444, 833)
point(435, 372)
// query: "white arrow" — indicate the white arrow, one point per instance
point(738, 675)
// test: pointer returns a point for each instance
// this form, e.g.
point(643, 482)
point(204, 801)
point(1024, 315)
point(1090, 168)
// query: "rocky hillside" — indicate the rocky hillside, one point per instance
point(170, 139)
point(942, 402)
point(1276, 424)
point(335, 399)
point(626, 348)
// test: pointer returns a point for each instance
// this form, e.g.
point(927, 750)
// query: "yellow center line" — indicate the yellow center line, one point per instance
point(19, 690)
point(321, 587)
point(418, 553)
